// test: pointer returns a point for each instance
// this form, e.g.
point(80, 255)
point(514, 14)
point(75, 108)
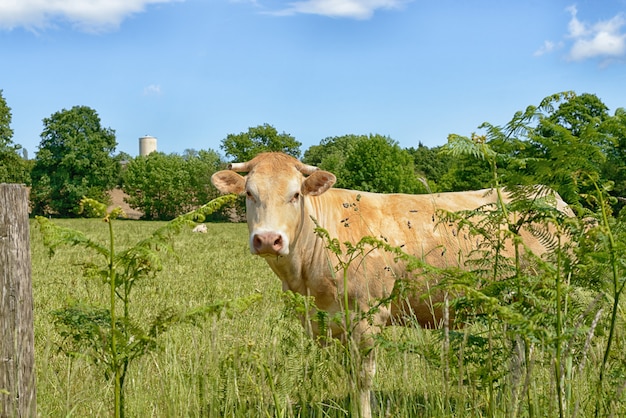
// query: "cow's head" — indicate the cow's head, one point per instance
point(276, 187)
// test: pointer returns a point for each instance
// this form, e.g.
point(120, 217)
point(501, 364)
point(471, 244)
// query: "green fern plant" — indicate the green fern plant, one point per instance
point(602, 255)
point(500, 287)
point(111, 335)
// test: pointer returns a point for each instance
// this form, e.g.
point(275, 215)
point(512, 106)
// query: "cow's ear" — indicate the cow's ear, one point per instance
point(318, 182)
point(227, 181)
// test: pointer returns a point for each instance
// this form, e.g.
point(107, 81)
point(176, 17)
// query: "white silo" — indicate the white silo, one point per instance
point(147, 144)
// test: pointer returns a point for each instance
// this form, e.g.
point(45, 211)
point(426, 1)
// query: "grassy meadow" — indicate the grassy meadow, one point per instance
point(258, 362)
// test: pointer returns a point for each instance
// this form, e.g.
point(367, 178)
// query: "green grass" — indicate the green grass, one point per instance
point(259, 363)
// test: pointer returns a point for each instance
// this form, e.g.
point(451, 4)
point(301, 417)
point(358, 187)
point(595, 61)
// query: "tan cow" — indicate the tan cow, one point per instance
point(285, 195)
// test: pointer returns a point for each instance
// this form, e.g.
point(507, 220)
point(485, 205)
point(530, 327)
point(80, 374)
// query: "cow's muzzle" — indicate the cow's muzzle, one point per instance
point(268, 243)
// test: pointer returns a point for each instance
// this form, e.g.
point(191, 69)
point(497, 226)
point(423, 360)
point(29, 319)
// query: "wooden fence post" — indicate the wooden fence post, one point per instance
point(17, 343)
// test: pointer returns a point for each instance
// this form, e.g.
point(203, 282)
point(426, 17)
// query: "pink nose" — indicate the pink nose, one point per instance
point(267, 243)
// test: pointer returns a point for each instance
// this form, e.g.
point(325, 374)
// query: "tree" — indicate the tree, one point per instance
point(567, 143)
point(75, 160)
point(13, 168)
point(615, 166)
point(201, 165)
point(431, 164)
point(466, 172)
point(331, 154)
point(563, 143)
point(378, 164)
point(165, 186)
point(577, 112)
point(157, 185)
point(263, 138)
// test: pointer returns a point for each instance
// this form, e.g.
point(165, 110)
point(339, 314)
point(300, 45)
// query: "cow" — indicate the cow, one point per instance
point(286, 200)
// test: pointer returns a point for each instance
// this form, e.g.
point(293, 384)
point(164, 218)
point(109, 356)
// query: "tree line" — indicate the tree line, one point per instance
point(569, 142)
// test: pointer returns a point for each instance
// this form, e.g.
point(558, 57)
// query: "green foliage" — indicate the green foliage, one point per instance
point(201, 165)
point(578, 113)
point(165, 186)
point(370, 163)
point(601, 254)
point(467, 172)
point(431, 165)
point(6, 133)
point(554, 143)
point(378, 164)
point(90, 208)
point(541, 306)
point(13, 168)
point(331, 154)
point(111, 336)
point(75, 159)
point(566, 143)
point(550, 144)
point(614, 168)
point(263, 138)
point(157, 185)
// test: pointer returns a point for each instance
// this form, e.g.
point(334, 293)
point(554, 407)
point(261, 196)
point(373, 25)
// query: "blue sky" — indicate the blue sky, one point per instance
point(190, 72)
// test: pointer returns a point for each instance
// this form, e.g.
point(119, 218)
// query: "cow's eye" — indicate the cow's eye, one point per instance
point(295, 197)
point(249, 195)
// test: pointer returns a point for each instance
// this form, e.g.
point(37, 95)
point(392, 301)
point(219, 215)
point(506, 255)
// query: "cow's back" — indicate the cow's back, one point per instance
point(407, 221)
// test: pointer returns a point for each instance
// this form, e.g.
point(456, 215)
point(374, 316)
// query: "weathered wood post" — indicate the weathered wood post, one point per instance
point(17, 342)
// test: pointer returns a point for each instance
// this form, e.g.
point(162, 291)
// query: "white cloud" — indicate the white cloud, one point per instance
point(546, 48)
point(604, 39)
point(354, 9)
point(85, 15)
point(152, 90)
point(575, 26)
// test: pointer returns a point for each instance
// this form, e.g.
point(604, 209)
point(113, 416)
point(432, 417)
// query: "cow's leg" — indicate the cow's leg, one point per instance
point(366, 379)
point(364, 355)
point(362, 368)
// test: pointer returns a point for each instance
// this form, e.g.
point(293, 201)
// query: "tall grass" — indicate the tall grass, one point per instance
point(260, 363)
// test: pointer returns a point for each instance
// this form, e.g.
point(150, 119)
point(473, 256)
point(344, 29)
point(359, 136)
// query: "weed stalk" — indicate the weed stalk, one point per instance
point(118, 403)
point(617, 291)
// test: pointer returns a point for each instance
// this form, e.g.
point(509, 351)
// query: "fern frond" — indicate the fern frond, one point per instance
point(461, 145)
point(55, 236)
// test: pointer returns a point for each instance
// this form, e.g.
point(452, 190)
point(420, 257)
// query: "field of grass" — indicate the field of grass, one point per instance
point(258, 362)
